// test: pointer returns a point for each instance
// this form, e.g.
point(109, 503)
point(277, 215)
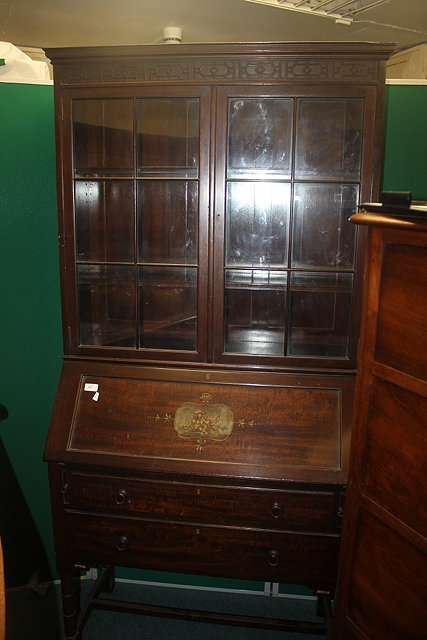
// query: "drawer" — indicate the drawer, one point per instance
point(300, 558)
point(205, 504)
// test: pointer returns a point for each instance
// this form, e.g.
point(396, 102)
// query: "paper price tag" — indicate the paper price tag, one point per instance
point(90, 386)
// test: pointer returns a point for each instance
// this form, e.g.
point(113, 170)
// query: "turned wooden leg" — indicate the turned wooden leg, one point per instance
point(70, 586)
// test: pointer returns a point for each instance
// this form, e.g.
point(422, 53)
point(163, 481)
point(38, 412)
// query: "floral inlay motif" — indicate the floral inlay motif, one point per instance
point(203, 421)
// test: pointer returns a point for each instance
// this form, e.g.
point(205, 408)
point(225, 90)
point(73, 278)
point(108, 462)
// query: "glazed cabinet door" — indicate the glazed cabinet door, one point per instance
point(270, 279)
point(291, 170)
point(137, 167)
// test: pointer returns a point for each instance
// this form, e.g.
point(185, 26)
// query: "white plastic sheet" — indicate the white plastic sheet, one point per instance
point(21, 68)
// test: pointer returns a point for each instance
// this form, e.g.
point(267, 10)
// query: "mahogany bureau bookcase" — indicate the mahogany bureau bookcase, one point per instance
point(210, 289)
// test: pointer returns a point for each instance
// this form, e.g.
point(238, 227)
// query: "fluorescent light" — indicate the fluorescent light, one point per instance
point(342, 11)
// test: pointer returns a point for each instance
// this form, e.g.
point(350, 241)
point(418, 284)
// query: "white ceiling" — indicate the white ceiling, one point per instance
point(63, 23)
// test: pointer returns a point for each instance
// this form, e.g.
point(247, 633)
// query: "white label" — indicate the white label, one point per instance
point(95, 396)
point(90, 386)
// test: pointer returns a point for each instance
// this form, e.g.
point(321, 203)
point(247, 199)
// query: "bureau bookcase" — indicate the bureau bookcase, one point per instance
point(210, 289)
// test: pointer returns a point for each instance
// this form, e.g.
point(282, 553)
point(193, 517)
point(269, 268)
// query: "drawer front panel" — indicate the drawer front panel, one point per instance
point(217, 551)
point(185, 502)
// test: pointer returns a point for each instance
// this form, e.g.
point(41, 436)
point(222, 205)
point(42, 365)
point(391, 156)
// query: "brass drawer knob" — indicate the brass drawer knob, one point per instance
point(276, 510)
point(121, 497)
point(273, 558)
point(122, 544)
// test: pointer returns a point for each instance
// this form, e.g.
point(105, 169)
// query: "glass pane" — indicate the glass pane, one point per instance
point(260, 135)
point(105, 221)
point(255, 305)
point(329, 138)
point(323, 236)
point(168, 308)
point(168, 136)
point(320, 310)
point(103, 137)
point(167, 221)
point(107, 305)
point(257, 223)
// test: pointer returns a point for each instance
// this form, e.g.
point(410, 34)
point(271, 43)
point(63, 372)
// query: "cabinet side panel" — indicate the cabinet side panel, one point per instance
point(387, 594)
point(396, 453)
point(402, 329)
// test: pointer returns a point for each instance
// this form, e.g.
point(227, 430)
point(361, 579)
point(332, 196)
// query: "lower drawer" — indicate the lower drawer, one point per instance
point(314, 510)
point(300, 558)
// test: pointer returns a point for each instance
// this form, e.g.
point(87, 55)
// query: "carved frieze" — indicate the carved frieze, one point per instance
point(279, 69)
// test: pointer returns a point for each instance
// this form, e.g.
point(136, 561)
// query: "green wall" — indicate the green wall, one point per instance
point(405, 141)
point(30, 335)
point(30, 330)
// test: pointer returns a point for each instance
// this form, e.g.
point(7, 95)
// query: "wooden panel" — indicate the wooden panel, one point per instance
point(250, 425)
point(402, 327)
point(306, 62)
point(259, 425)
point(396, 453)
point(387, 598)
point(382, 581)
point(188, 502)
point(216, 551)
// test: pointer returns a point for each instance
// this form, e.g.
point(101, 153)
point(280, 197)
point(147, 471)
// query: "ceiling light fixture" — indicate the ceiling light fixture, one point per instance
point(342, 11)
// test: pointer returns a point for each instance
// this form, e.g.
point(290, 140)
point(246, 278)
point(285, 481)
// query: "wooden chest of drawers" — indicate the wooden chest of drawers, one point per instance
point(215, 473)
point(230, 531)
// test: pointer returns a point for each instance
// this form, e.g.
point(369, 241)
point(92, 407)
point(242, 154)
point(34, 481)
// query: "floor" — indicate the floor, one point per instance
point(34, 615)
